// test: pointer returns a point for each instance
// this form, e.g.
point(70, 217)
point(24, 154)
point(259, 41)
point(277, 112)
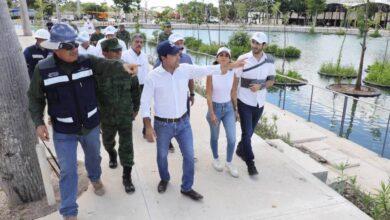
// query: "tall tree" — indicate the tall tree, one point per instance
point(314, 7)
point(26, 24)
point(20, 175)
point(358, 84)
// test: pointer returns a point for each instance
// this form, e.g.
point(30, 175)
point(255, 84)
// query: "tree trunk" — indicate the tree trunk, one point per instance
point(20, 176)
point(358, 84)
point(26, 24)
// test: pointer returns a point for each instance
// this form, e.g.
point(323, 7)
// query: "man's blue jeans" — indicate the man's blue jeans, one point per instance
point(225, 113)
point(66, 150)
point(182, 131)
point(249, 117)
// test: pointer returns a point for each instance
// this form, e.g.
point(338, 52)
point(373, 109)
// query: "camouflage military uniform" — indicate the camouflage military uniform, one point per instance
point(123, 35)
point(163, 36)
point(119, 98)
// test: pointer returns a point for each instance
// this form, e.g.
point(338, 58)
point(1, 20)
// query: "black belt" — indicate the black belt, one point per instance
point(170, 120)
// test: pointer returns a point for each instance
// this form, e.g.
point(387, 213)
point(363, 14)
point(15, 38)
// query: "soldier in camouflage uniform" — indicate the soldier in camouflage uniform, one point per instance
point(123, 34)
point(119, 100)
point(164, 35)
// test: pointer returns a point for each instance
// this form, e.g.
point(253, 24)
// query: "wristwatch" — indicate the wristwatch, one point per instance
point(192, 94)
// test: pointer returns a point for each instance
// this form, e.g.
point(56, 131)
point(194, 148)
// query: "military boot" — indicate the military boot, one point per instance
point(113, 159)
point(126, 178)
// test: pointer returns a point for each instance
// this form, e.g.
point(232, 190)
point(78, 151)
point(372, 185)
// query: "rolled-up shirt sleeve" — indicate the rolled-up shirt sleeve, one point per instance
point(271, 73)
point(146, 97)
point(196, 71)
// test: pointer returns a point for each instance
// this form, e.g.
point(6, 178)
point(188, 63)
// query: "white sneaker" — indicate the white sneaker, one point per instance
point(232, 169)
point(217, 165)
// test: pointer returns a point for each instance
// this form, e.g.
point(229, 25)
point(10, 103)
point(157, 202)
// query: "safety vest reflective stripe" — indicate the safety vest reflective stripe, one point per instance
point(65, 120)
point(82, 74)
point(37, 56)
point(92, 112)
point(54, 80)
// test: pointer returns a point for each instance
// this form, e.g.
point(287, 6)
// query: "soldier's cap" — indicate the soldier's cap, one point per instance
point(165, 47)
point(167, 24)
point(111, 45)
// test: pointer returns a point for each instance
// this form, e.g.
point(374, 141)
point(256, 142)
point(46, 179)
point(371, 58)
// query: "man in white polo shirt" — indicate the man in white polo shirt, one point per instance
point(167, 85)
point(253, 80)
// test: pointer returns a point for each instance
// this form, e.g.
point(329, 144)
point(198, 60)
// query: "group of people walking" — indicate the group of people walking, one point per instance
point(103, 89)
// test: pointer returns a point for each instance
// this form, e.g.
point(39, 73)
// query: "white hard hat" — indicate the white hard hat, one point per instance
point(109, 30)
point(260, 37)
point(224, 49)
point(173, 38)
point(83, 37)
point(42, 34)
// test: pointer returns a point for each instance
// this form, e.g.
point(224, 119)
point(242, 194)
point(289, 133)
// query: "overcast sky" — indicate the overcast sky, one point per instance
point(154, 3)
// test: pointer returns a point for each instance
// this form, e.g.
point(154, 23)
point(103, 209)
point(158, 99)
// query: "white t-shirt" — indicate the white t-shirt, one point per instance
point(260, 73)
point(222, 87)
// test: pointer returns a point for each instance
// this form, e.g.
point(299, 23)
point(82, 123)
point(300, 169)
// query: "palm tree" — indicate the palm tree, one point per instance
point(20, 174)
point(25, 18)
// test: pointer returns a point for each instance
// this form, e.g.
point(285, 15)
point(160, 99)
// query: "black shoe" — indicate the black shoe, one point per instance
point(192, 194)
point(113, 160)
point(126, 179)
point(171, 148)
point(252, 169)
point(128, 184)
point(240, 152)
point(162, 186)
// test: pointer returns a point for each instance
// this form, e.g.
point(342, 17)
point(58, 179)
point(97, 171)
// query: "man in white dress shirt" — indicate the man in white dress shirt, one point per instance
point(109, 32)
point(167, 85)
point(252, 83)
point(85, 47)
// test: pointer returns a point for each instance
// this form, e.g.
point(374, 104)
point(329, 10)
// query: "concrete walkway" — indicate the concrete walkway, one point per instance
point(282, 190)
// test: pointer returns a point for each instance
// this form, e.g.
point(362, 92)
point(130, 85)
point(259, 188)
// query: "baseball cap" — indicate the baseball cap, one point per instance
point(173, 38)
point(260, 37)
point(111, 44)
point(165, 47)
point(224, 49)
point(109, 30)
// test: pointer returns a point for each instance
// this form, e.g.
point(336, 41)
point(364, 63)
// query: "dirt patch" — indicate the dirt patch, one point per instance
point(40, 208)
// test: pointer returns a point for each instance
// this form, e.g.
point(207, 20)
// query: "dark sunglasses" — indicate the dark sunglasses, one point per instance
point(116, 50)
point(68, 46)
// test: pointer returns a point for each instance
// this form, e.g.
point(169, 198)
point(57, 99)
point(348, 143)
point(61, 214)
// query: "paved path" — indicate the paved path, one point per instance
point(283, 190)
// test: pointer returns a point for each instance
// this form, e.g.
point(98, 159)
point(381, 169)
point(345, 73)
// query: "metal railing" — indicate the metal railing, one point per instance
point(282, 99)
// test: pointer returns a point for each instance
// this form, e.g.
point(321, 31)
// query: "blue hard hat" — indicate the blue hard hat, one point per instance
point(60, 33)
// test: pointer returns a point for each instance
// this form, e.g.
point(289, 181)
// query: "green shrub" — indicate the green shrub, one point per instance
point(209, 49)
point(341, 32)
point(376, 34)
point(291, 74)
point(291, 52)
point(237, 51)
point(240, 39)
point(379, 73)
point(272, 48)
point(331, 69)
point(192, 43)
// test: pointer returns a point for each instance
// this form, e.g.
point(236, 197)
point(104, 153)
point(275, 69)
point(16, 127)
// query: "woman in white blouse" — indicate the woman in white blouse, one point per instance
point(222, 108)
